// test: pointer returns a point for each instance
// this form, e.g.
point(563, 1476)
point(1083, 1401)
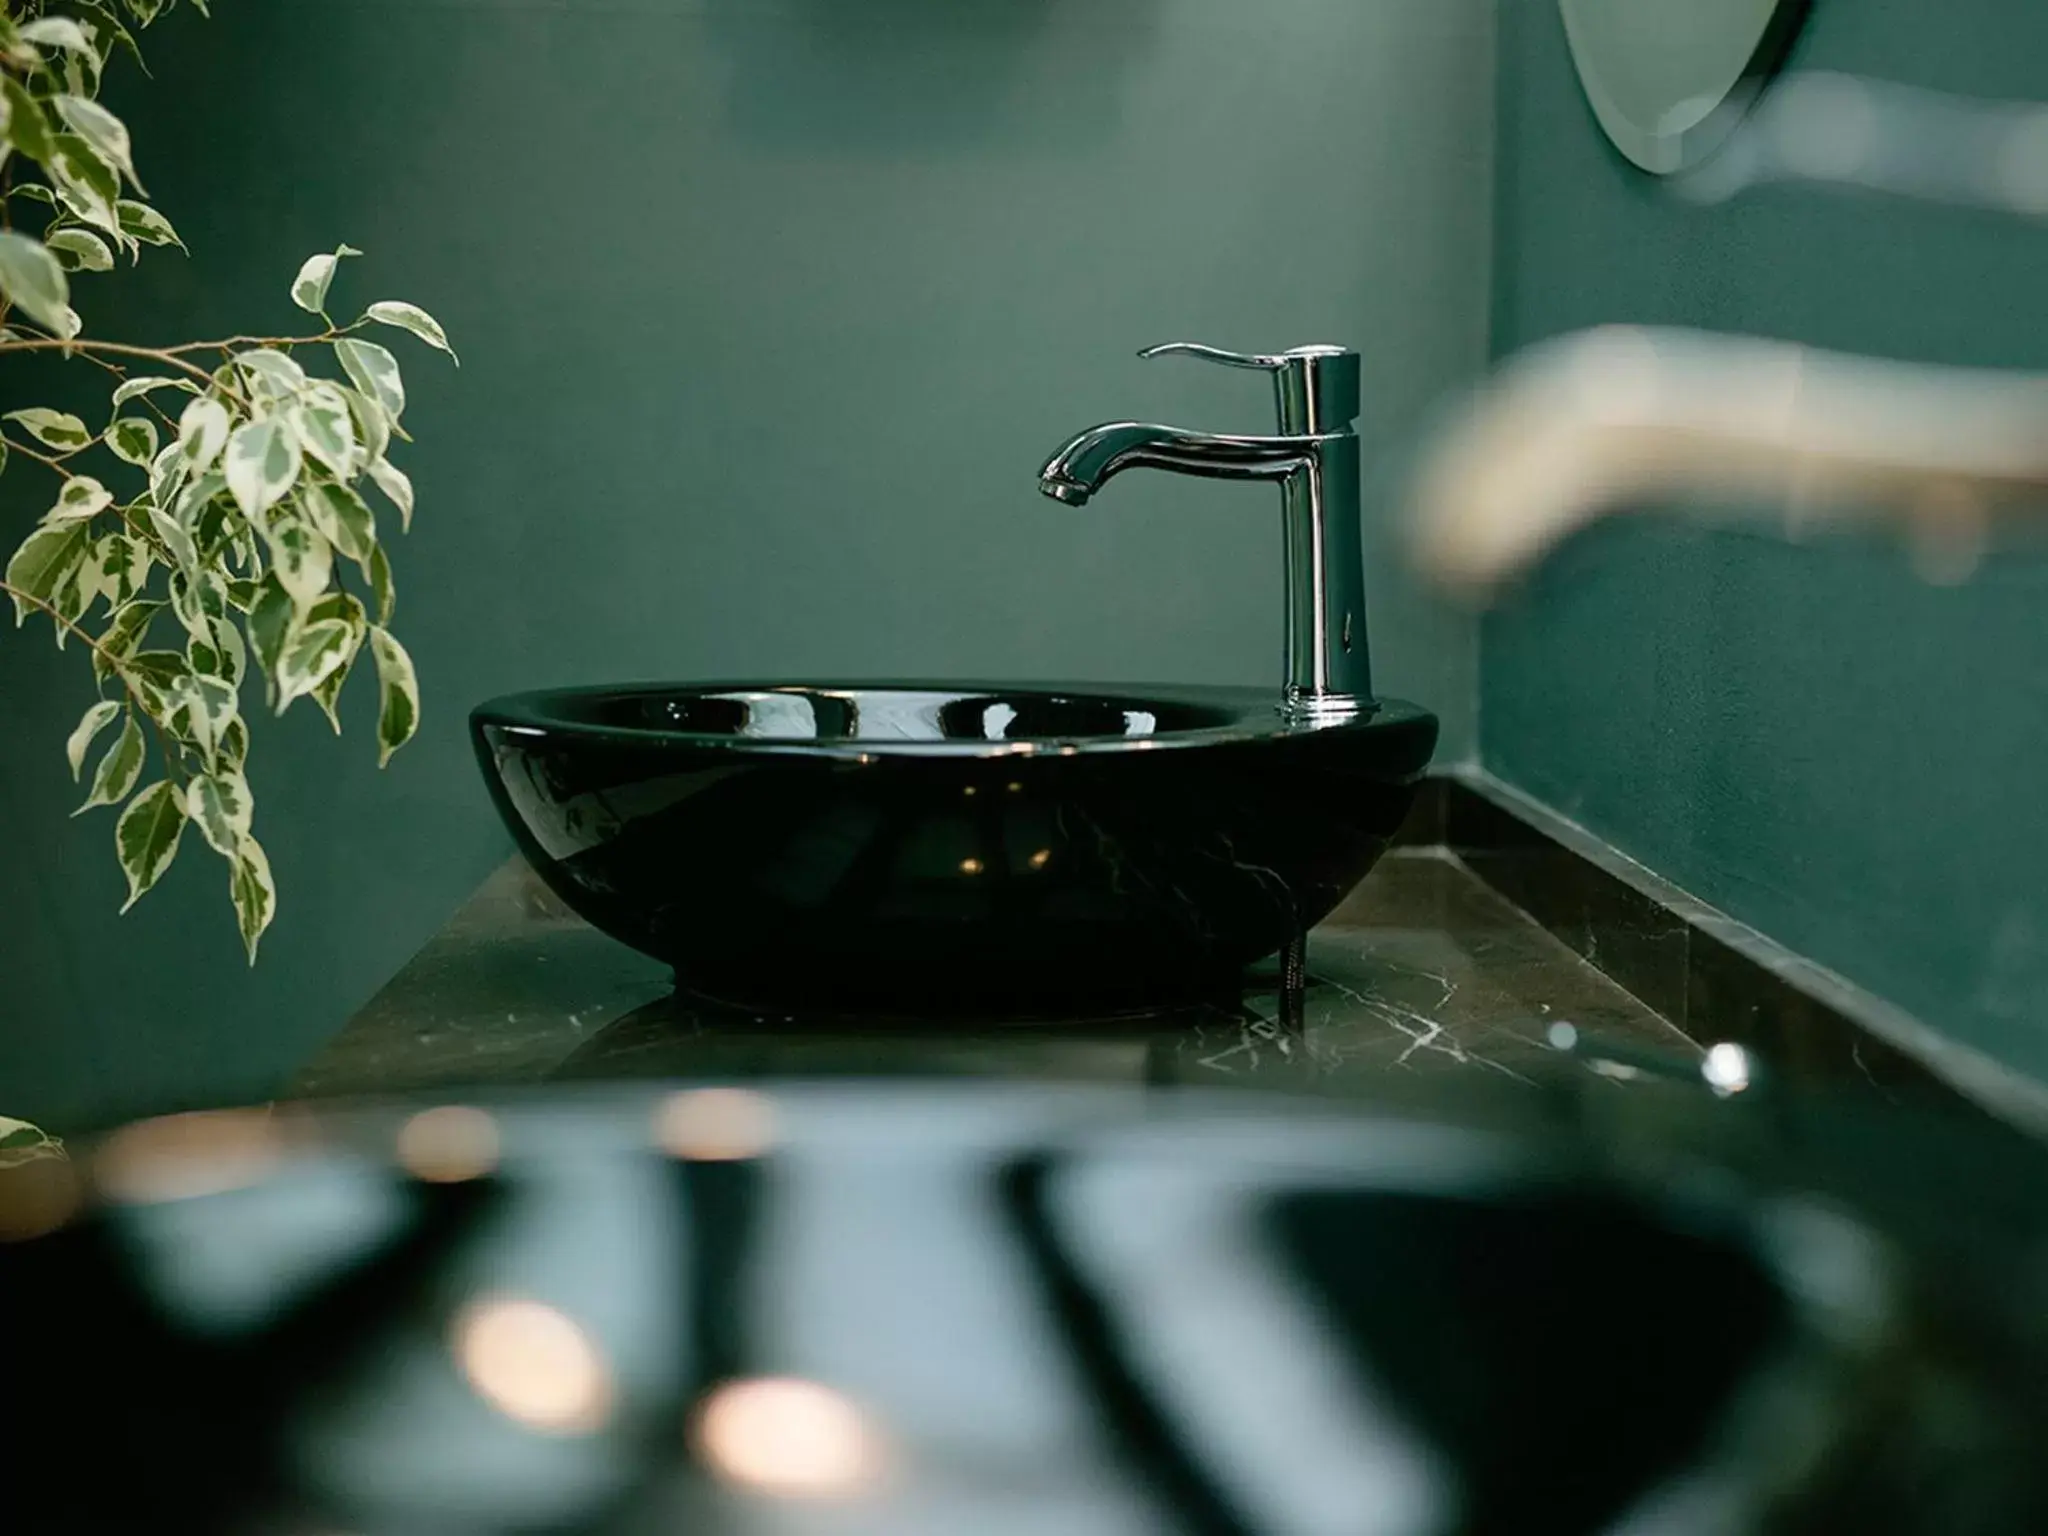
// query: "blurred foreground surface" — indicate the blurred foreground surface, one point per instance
point(1407, 1303)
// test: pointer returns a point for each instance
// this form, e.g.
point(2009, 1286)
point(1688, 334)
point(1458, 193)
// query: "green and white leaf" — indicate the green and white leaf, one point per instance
point(53, 429)
point(134, 439)
point(55, 32)
point(373, 426)
point(221, 808)
point(135, 388)
point(34, 280)
point(272, 372)
point(203, 429)
point(141, 222)
point(201, 707)
point(396, 485)
point(198, 598)
point(340, 605)
point(300, 558)
point(80, 250)
point(80, 72)
point(159, 676)
point(309, 288)
point(325, 429)
point(81, 499)
point(106, 133)
point(311, 655)
point(125, 633)
point(398, 716)
point(217, 652)
point(234, 744)
point(177, 542)
point(108, 33)
point(146, 837)
point(89, 186)
point(410, 317)
point(220, 653)
point(45, 558)
point(374, 371)
point(262, 463)
point(119, 768)
point(76, 591)
point(217, 528)
point(124, 564)
point(95, 720)
point(269, 623)
point(253, 892)
point(166, 474)
point(27, 129)
point(383, 591)
point(343, 518)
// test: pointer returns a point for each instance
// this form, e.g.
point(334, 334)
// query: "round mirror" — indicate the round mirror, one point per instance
point(1670, 79)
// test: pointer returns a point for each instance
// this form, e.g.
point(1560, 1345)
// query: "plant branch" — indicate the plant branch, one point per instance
point(333, 333)
point(173, 356)
point(135, 695)
point(117, 348)
point(30, 453)
point(147, 535)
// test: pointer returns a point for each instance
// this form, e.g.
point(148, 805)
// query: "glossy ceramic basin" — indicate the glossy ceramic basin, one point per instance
point(912, 845)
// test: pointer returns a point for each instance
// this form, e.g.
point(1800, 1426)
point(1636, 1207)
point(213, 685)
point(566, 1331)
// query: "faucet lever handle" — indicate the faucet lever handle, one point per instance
point(1271, 364)
point(1317, 387)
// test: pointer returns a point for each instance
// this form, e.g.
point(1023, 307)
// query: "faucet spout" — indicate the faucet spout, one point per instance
point(1092, 459)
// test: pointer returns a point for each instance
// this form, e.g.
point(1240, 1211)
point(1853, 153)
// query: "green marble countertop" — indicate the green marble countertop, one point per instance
point(1424, 971)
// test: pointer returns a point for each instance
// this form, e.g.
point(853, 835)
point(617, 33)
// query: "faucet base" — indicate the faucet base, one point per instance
point(1305, 708)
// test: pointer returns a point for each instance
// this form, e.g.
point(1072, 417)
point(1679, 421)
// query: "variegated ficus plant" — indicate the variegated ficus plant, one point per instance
point(217, 521)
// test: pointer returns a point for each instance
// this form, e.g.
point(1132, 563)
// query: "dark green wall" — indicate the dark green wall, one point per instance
point(769, 309)
point(1804, 735)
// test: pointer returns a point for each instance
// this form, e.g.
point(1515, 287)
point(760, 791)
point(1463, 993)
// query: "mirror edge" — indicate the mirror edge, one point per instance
point(1666, 154)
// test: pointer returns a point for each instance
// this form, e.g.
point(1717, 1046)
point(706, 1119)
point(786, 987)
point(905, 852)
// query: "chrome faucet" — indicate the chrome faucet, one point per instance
point(1315, 459)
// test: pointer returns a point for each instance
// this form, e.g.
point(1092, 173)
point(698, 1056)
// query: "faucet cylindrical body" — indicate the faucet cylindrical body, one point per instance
point(1328, 667)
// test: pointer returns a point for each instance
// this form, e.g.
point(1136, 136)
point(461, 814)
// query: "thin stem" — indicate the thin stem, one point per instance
point(122, 374)
point(41, 458)
point(114, 368)
point(69, 625)
point(147, 535)
point(333, 333)
point(174, 356)
point(170, 357)
point(117, 348)
point(6, 219)
point(135, 695)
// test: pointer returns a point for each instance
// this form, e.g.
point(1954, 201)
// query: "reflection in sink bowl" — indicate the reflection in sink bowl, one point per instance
point(926, 845)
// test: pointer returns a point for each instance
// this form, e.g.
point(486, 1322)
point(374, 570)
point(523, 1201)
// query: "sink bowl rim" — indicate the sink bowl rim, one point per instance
point(1246, 715)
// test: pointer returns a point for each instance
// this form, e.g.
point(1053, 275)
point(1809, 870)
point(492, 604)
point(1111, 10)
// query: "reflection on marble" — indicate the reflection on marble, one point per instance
point(1424, 970)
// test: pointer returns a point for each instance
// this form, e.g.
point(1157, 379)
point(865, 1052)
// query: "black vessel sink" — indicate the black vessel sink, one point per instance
point(910, 844)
